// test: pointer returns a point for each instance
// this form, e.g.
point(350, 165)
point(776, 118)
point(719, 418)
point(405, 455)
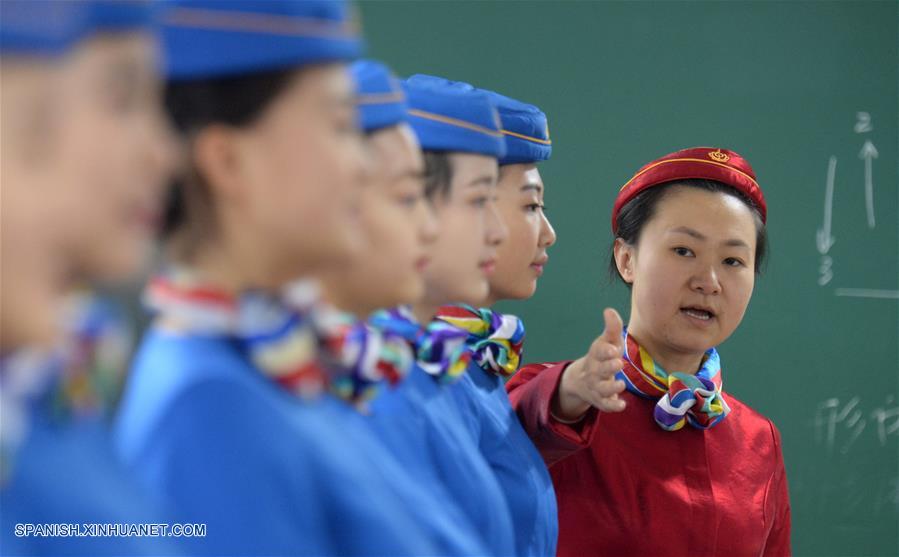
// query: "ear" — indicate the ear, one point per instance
point(625, 259)
point(217, 153)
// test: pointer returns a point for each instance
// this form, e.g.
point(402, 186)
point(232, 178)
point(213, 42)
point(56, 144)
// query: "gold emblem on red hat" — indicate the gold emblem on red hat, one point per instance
point(718, 156)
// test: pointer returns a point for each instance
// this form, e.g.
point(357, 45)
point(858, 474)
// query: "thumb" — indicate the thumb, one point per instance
point(614, 326)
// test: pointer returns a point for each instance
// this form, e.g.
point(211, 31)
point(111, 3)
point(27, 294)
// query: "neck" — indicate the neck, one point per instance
point(226, 268)
point(424, 312)
point(339, 299)
point(672, 361)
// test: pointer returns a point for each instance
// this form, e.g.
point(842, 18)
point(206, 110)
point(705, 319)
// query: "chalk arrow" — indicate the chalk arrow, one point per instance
point(823, 237)
point(868, 154)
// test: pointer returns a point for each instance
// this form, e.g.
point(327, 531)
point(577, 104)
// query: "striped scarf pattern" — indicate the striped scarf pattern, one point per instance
point(439, 348)
point(496, 340)
point(682, 398)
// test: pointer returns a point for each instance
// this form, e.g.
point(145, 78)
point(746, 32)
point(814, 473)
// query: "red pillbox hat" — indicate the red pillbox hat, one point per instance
point(708, 163)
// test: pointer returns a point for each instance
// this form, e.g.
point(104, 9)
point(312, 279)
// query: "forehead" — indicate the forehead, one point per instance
point(112, 51)
point(469, 166)
point(514, 176)
point(716, 215)
point(396, 149)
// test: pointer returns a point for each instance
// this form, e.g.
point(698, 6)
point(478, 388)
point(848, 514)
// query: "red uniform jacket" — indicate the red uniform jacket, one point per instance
point(638, 490)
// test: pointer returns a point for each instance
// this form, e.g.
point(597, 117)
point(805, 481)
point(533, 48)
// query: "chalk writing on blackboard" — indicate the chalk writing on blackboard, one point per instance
point(824, 237)
point(863, 122)
point(867, 154)
point(839, 424)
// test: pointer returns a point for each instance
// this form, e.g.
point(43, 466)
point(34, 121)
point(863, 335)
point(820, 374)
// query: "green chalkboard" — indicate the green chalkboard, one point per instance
point(807, 91)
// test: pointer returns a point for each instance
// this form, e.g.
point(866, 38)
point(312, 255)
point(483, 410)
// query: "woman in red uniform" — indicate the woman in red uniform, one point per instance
point(676, 465)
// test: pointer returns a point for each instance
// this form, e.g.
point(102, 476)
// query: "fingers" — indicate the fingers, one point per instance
point(603, 359)
point(609, 388)
point(602, 392)
point(611, 404)
point(591, 379)
point(604, 396)
point(613, 327)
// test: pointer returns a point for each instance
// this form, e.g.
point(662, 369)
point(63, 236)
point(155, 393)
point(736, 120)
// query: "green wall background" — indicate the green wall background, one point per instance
point(781, 83)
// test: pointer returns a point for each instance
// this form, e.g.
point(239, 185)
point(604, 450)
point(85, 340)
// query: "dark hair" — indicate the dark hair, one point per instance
point(639, 210)
point(438, 174)
point(192, 105)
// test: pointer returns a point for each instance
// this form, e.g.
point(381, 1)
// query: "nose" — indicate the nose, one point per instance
point(705, 281)
point(428, 228)
point(547, 233)
point(496, 228)
point(365, 159)
point(162, 144)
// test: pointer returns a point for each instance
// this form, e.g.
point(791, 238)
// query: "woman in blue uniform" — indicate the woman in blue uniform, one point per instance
point(417, 418)
point(457, 128)
point(58, 466)
point(229, 413)
point(496, 340)
point(399, 228)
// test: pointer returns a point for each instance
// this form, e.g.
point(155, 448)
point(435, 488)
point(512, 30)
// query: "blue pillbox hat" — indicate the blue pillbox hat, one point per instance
point(40, 27)
point(380, 96)
point(219, 38)
point(525, 129)
point(453, 116)
point(112, 15)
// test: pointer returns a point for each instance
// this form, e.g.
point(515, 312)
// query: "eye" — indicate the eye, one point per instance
point(534, 207)
point(734, 262)
point(683, 252)
point(345, 123)
point(409, 200)
point(480, 201)
point(347, 127)
point(124, 97)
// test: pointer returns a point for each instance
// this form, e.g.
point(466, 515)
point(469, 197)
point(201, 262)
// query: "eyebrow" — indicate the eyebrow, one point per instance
point(485, 180)
point(732, 242)
point(532, 186)
point(416, 173)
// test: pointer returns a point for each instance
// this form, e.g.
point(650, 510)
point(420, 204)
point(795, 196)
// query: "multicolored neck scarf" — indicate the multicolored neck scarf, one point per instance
point(77, 380)
point(300, 342)
point(496, 340)
point(280, 343)
point(682, 397)
point(361, 358)
point(439, 348)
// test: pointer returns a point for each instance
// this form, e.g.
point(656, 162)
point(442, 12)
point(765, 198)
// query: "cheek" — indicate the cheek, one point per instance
point(742, 287)
point(654, 289)
point(517, 251)
point(391, 232)
point(454, 247)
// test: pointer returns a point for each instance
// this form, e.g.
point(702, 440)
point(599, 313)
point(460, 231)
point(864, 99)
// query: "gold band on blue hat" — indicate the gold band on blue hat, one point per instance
point(527, 137)
point(453, 122)
point(251, 22)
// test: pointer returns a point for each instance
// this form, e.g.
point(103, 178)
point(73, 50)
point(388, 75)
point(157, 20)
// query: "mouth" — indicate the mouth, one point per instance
point(698, 313)
point(148, 218)
point(422, 263)
point(539, 264)
point(487, 266)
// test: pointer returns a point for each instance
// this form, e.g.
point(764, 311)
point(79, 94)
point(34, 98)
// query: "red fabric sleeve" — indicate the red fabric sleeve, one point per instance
point(531, 391)
point(778, 543)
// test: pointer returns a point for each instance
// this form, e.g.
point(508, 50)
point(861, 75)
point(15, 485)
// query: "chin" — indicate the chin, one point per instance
point(119, 265)
point(694, 341)
point(527, 291)
point(475, 296)
point(400, 297)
